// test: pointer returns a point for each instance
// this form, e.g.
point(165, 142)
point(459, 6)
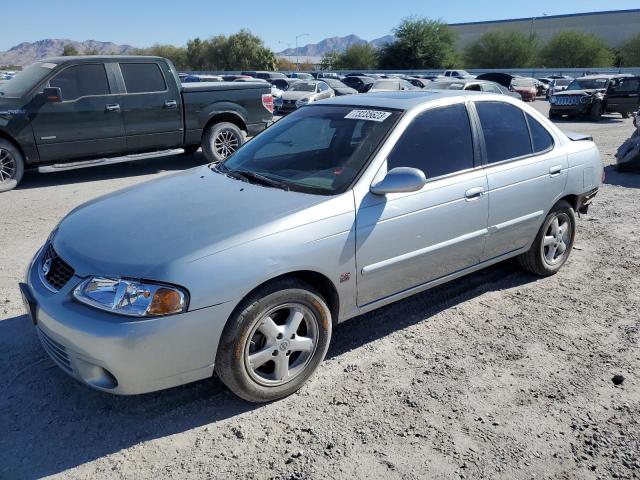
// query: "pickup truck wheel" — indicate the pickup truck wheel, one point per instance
point(221, 140)
point(275, 341)
point(11, 166)
point(553, 243)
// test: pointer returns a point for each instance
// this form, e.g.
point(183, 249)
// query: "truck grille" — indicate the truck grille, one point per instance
point(55, 270)
point(568, 100)
point(56, 351)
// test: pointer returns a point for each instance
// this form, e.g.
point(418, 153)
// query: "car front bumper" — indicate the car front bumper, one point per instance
point(118, 354)
point(578, 109)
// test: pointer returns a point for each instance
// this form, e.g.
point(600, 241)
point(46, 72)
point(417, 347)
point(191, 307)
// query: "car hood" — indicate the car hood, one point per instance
point(289, 95)
point(579, 92)
point(144, 230)
point(345, 91)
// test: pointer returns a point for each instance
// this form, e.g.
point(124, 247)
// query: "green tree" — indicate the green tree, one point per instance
point(330, 61)
point(630, 52)
point(358, 57)
point(196, 52)
point(178, 55)
point(575, 49)
point(69, 51)
point(501, 49)
point(91, 51)
point(420, 43)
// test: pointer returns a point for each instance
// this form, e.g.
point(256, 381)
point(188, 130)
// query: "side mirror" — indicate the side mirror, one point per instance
point(400, 180)
point(52, 94)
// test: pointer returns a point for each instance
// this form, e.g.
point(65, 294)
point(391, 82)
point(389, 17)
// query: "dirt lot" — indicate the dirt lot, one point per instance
point(496, 375)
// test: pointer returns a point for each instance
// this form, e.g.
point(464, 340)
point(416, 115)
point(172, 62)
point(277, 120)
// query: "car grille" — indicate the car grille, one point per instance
point(568, 100)
point(59, 272)
point(56, 351)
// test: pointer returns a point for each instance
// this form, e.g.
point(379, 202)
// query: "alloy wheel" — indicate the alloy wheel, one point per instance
point(8, 166)
point(281, 344)
point(557, 239)
point(225, 143)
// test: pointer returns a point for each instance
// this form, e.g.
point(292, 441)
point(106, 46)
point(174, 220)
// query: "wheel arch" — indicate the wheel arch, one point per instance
point(5, 136)
point(230, 117)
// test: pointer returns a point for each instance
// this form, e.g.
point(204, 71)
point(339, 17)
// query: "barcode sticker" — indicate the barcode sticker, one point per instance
point(371, 115)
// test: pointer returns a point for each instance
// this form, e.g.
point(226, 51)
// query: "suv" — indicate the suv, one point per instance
point(593, 95)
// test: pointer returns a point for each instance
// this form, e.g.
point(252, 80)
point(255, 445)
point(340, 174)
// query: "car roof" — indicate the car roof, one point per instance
point(100, 58)
point(603, 75)
point(398, 100)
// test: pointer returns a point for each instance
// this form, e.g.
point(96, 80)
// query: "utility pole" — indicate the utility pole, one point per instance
point(297, 55)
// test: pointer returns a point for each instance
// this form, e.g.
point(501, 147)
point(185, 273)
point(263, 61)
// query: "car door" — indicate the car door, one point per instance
point(623, 95)
point(324, 90)
point(87, 123)
point(151, 106)
point(526, 174)
point(404, 240)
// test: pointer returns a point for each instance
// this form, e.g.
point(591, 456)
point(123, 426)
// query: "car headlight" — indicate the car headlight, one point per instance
point(134, 298)
point(552, 99)
point(304, 101)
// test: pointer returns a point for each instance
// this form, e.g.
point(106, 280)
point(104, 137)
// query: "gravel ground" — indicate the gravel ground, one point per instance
point(496, 375)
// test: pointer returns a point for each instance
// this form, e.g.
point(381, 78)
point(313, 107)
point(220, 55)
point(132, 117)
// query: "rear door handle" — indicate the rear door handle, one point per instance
point(555, 170)
point(170, 104)
point(112, 107)
point(474, 193)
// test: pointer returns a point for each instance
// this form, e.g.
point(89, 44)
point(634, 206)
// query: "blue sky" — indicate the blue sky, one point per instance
point(144, 22)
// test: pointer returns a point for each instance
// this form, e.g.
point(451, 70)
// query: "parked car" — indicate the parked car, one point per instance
point(391, 84)
point(457, 74)
point(593, 95)
point(264, 75)
point(302, 93)
point(543, 86)
point(628, 154)
point(323, 75)
point(234, 77)
point(558, 85)
point(359, 83)
point(244, 268)
point(284, 83)
point(503, 79)
point(473, 85)
point(191, 78)
point(72, 112)
point(419, 82)
point(300, 75)
point(526, 87)
point(339, 88)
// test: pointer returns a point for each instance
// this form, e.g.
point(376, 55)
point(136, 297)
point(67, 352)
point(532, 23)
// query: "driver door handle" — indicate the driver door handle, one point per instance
point(112, 107)
point(170, 104)
point(555, 170)
point(474, 193)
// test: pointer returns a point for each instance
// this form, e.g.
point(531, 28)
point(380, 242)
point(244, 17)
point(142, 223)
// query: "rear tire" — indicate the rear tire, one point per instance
point(274, 342)
point(11, 166)
point(221, 140)
point(553, 243)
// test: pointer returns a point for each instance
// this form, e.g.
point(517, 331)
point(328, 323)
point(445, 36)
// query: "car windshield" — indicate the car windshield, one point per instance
point(588, 84)
point(318, 149)
point(446, 86)
point(26, 80)
point(522, 82)
point(303, 87)
point(387, 85)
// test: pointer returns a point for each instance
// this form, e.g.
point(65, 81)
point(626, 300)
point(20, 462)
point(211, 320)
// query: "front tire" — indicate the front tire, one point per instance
point(221, 140)
point(553, 243)
point(274, 342)
point(596, 112)
point(11, 166)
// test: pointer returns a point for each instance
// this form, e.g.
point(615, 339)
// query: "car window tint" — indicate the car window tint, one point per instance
point(626, 85)
point(505, 131)
point(142, 77)
point(438, 142)
point(542, 139)
point(81, 81)
point(309, 134)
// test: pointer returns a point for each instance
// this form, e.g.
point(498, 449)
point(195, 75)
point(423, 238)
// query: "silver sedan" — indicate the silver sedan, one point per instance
point(245, 267)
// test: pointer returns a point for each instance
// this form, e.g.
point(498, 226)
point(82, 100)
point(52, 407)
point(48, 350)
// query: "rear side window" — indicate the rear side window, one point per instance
point(505, 130)
point(541, 138)
point(81, 81)
point(438, 142)
point(142, 77)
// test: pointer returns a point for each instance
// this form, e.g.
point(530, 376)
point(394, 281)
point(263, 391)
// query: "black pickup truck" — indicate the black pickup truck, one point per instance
point(74, 112)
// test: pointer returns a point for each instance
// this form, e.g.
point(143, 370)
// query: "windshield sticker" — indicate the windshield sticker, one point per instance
point(371, 115)
point(48, 65)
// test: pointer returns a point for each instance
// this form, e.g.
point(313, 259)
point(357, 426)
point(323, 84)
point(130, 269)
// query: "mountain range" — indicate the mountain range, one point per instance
point(28, 52)
point(335, 44)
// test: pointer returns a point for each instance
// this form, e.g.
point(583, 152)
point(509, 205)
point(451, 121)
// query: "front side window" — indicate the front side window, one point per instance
point(142, 77)
point(318, 149)
point(506, 134)
point(438, 142)
point(81, 81)
point(626, 85)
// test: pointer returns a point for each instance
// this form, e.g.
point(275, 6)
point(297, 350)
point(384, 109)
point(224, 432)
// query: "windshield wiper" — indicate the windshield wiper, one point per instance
point(263, 179)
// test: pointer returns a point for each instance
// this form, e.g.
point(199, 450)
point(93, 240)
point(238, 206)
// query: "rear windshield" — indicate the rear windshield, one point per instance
point(446, 85)
point(303, 87)
point(24, 81)
point(318, 149)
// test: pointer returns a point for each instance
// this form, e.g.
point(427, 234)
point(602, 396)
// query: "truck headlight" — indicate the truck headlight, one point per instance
point(134, 298)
